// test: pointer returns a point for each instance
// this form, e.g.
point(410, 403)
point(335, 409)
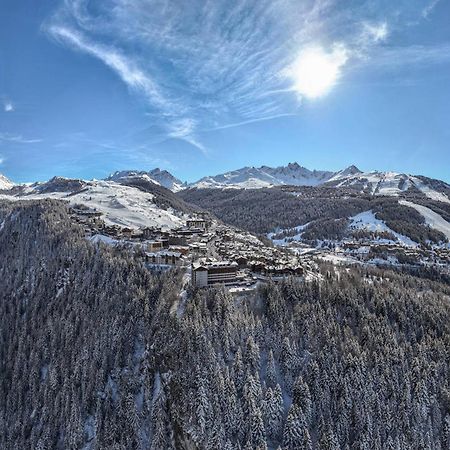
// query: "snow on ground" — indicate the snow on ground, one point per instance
point(434, 220)
point(121, 205)
point(429, 192)
point(367, 221)
point(102, 238)
point(285, 241)
point(5, 183)
point(380, 183)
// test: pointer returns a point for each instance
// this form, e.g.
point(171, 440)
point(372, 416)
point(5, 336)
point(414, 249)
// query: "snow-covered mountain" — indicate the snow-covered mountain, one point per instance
point(128, 206)
point(157, 176)
point(264, 176)
point(375, 183)
point(5, 184)
point(393, 184)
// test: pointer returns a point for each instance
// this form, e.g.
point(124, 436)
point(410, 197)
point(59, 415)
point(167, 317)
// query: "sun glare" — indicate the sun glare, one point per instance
point(315, 72)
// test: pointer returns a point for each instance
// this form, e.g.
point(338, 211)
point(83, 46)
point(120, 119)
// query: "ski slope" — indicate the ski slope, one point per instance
point(434, 220)
point(367, 221)
point(121, 205)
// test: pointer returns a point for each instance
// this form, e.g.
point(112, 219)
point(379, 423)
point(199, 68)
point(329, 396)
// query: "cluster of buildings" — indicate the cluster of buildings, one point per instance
point(215, 254)
point(252, 254)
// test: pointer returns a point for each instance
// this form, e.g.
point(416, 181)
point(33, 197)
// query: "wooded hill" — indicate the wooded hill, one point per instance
point(98, 353)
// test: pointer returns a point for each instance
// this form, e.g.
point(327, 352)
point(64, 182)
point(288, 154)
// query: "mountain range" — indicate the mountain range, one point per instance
point(157, 176)
point(374, 183)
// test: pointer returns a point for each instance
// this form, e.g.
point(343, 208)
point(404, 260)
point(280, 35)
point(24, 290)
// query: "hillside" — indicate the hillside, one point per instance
point(109, 358)
point(133, 202)
point(322, 212)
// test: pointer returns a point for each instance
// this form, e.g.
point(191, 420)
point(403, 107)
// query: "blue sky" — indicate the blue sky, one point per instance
point(206, 86)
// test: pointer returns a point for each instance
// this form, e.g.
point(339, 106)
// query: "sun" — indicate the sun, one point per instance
point(315, 71)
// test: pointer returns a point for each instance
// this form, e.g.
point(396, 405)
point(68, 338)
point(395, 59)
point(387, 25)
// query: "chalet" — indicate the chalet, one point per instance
point(208, 273)
point(201, 224)
point(87, 212)
point(177, 239)
point(127, 232)
point(154, 246)
point(163, 257)
point(198, 247)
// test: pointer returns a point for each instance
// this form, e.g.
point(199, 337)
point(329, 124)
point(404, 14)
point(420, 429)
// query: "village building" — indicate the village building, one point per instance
point(201, 224)
point(208, 273)
point(164, 257)
point(154, 246)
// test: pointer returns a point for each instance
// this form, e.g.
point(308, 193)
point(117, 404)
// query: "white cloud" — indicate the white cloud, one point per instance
point(125, 68)
point(210, 64)
point(375, 33)
point(8, 106)
point(429, 8)
point(2, 160)
point(17, 138)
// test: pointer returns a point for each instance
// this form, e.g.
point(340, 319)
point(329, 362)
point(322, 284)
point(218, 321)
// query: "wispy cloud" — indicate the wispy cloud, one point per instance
point(429, 8)
point(123, 66)
point(210, 64)
point(2, 159)
point(409, 56)
point(17, 139)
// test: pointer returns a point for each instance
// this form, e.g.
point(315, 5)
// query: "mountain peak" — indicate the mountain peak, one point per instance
point(351, 170)
point(157, 176)
point(5, 183)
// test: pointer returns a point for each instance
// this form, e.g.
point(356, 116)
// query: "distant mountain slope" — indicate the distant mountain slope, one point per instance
point(373, 183)
point(259, 177)
point(135, 202)
point(393, 183)
point(5, 183)
point(157, 176)
point(323, 212)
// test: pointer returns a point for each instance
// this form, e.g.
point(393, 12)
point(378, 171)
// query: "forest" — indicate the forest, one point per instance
point(325, 210)
point(97, 352)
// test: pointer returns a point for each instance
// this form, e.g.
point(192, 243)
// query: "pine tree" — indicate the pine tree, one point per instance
point(328, 440)
point(302, 398)
point(271, 372)
point(273, 412)
point(295, 434)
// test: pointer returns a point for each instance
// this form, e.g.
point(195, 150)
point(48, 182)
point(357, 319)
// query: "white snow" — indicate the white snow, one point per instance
point(434, 220)
point(379, 183)
point(157, 176)
point(121, 205)
point(285, 241)
point(367, 221)
point(96, 238)
point(389, 184)
point(5, 184)
point(260, 177)
point(429, 192)
point(375, 182)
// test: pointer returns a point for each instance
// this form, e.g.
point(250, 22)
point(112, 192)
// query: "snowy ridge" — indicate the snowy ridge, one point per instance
point(388, 183)
point(120, 205)
point(5, 184)
point(374, 183)
point(157, 176)
point(264, 176)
